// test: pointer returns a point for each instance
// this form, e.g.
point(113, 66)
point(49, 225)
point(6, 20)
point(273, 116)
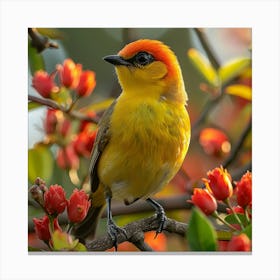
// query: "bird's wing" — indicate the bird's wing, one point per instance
point(102, 139)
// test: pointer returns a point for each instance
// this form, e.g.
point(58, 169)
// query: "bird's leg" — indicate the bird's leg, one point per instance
point(113, 229)
point(160, 214)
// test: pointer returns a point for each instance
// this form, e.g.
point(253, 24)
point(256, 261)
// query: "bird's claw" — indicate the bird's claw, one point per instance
point(113, 231)
point(161, 217)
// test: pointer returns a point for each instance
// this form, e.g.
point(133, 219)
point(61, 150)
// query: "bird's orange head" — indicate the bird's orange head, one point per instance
point(149, 66)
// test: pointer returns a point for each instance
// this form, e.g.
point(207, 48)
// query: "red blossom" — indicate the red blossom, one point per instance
point(219, 183)
point(42, 227)
point(244, 190)
point(84, 142)
point(77, 206)
point(44, 83)
point(55, 200)
point(86, 84)
point(50, 121)
point(67, 157)
point(69, 73)
point(239, 243)
point(236, 209)
point(204, 200)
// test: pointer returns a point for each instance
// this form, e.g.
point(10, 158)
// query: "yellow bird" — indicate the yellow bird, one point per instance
point(143, 136)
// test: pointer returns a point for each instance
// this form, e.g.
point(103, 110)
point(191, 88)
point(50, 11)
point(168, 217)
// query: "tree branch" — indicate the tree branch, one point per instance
point(135, 233)
point(40, 42)
point(236, 149)
point(52, 104)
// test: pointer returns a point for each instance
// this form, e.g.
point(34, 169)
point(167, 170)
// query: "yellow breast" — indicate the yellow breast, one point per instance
point(149, 140)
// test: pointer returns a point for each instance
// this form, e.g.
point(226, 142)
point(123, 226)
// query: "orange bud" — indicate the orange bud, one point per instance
point(43, 83)
point(69, 73)
point(219, 183)
point(86, 84)
point(244, 190)
point(239, 243)
point(214, 141)
point(204, 200)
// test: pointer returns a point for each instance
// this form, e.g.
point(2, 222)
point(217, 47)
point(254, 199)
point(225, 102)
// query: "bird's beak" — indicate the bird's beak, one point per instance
point(116, 60)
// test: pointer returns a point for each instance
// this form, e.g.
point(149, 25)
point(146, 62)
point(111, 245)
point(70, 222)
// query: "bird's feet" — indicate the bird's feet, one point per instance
point(113, 231)
point(160, 213)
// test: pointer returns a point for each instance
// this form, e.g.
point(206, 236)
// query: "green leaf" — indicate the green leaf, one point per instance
point(64, 242)
point(33, 105)
point(36, 61)
point(204, 66)
point(233, 68)
point(240, 90)
point(40, 163)
point(232, 220)
point(248, 231)
point(201, 234)
point(52, 33)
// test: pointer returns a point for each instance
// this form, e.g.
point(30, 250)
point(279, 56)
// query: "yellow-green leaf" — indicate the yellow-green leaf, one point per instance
point(33, 105)
point(204, 66)
point(50, 32)
point(62, 241)
point(98, 106)
point(233, 68)
point(36, 61)
point(239, 90)
point(40, 163)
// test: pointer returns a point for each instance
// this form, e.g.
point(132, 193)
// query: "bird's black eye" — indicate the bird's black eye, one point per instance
point(143, 58)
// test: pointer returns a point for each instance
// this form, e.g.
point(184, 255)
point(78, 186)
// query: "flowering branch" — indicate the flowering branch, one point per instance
point(72, 113)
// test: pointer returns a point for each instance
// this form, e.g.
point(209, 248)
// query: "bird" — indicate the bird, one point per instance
point(142, 138)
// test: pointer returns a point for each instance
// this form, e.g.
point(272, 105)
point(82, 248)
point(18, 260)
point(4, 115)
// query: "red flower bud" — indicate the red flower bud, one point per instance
point(86, 84)
point(236, 209)
point(84, 124)
point(219, 183)
point(244, 190)
point(55, 201)
point(69, 73)
point(84, 142)
point(239, 243)
point(65, 127)
point(67, 158)
point(43, 83)
point(50, 121)
point(77, 206)
point(205, 201)
point(42, 227)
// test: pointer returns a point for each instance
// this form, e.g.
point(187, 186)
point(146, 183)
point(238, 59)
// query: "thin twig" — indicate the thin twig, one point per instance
point(206, 46)
point(236, 149)
point(52, 104)
point(40, 42)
